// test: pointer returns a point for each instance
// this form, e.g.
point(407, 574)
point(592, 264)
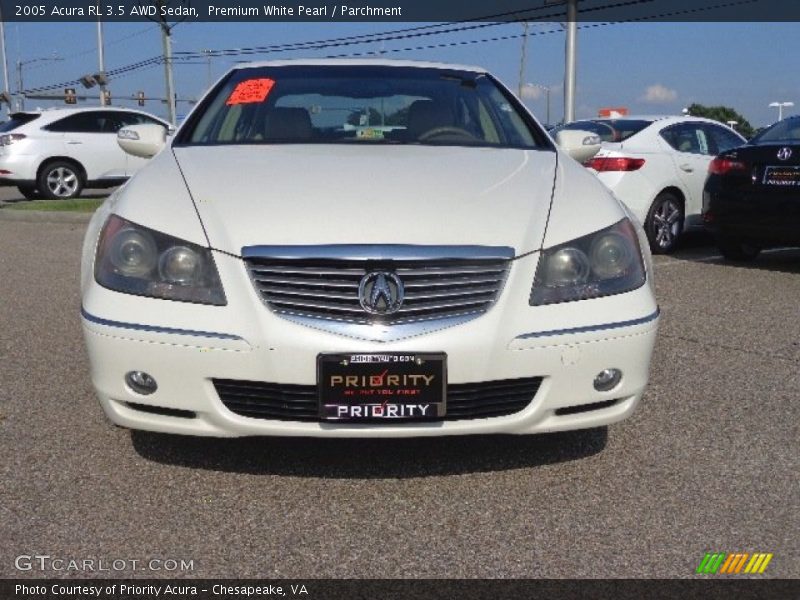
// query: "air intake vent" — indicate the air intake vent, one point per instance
point(282, 402)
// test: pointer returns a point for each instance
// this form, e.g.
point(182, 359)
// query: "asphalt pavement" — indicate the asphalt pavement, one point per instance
point(708, 463)
point(10, 194)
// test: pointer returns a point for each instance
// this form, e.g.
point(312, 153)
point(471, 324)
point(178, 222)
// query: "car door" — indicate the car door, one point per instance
point(90, 138)
point(692, 153)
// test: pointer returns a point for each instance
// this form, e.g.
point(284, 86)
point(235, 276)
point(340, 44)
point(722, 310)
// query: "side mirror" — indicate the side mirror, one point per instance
point(144, 141)
point(580, 145)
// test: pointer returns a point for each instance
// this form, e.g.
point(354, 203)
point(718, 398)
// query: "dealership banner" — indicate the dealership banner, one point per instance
point(390, 589)
point(594, 11)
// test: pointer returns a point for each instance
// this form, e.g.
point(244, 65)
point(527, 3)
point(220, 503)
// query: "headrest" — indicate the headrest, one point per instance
point(287, 124)
point(424, 115)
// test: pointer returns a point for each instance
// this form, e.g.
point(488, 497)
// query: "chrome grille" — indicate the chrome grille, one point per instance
point(328, 288)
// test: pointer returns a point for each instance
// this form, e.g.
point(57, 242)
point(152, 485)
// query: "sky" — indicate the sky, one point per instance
point(650, 68)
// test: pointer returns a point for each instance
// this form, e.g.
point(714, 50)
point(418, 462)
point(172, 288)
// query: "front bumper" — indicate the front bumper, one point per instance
point(566, 345)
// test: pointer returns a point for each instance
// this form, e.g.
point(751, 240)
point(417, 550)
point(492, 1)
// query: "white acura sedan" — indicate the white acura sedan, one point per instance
point(352, 248)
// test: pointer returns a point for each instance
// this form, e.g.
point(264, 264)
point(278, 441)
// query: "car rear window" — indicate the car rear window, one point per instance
point(609, 130)
point(625, 128)
point(17, 120)
point(361, 104)
point(787, 130)
point(605, 132)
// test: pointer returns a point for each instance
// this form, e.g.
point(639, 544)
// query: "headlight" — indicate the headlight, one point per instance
point(137, 260)
point(603, 263)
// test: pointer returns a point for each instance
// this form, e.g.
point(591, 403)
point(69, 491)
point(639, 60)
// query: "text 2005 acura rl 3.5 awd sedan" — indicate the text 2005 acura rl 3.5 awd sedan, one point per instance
point(364, 249)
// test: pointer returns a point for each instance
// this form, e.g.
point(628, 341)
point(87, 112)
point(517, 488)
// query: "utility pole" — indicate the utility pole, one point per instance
point(546, 89)
point(166, 42)
point(166, 39)
point(21, 97)
point(101, 61)
point(5, 59)
point(523, 57)
point(21, 84)
point(569, 51)
point(207, 52)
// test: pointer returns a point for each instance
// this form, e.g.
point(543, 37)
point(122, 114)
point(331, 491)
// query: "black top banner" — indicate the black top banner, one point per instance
point(171, 11)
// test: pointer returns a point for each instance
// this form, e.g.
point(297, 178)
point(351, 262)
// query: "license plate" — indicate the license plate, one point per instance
point(385, 387)
point(782, 176)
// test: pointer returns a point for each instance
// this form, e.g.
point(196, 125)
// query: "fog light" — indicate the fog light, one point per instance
point(141, 383)
point(607, 379)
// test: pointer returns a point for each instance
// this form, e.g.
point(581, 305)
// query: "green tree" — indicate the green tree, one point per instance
point(723, 114)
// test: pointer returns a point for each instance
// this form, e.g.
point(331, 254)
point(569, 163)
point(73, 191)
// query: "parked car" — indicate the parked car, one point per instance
point(55, 153)
point(658, 165)
point(752, 195)
point(278, 273)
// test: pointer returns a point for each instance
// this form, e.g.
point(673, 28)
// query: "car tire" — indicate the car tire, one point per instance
point(29, 191)
point(737, 250)
point(60, 180)
point(664, 223)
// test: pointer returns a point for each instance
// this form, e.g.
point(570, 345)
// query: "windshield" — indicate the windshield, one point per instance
point(17, 120)
point(611, 130)
point(784, 131)
point(361, 105)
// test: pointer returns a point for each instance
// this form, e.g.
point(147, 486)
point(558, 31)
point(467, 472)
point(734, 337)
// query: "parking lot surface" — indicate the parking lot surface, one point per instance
point(10, 194)
point(708, 463)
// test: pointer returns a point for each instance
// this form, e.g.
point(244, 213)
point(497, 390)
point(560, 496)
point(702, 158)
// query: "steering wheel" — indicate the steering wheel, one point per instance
point(444, 131)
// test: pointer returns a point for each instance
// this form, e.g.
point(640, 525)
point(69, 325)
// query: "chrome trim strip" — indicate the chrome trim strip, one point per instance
point(395, 252)
point(588, 328)
point(378, 332)
point(154, 329)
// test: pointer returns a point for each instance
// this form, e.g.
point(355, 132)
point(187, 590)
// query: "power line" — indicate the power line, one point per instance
point(335, 42)
point(377, 37)
point(401, 34)
point(547, 32)
point(393, 36)
point(111, 43)
point(155, 60)
point(348, 40)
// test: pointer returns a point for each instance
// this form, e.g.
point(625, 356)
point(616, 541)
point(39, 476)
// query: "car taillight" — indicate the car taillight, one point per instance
point(10, 138)
point(723, 166)
point(615, 163)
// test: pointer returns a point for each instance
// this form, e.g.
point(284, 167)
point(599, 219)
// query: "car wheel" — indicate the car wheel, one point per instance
point(664, 223)
point(737, 250)
point(29, 191)
point(60, 180)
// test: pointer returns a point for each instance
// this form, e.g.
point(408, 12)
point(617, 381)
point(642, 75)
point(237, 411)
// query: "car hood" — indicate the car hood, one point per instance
point(324, 194)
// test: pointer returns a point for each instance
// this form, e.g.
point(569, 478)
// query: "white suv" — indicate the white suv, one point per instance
point(55, 153)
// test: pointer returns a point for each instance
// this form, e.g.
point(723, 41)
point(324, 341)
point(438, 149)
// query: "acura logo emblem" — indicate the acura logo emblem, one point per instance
point(785, 153)
point(381, 293)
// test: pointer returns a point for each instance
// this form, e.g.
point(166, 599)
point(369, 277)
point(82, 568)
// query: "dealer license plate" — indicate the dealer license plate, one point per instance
point(782, 176)
point(385, 387)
